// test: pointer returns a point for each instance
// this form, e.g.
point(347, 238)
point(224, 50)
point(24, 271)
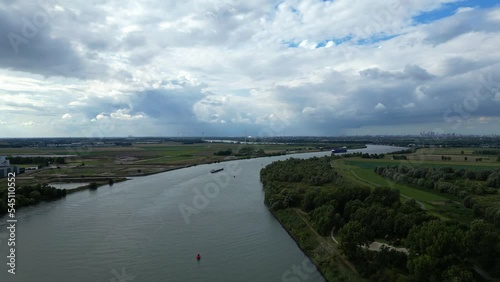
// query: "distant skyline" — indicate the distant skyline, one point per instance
point(258, 68)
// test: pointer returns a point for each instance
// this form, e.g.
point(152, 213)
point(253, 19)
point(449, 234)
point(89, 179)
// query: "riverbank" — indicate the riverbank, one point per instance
point(148, 159)
point(95, 180)
point(98, 183)
point(322, 251)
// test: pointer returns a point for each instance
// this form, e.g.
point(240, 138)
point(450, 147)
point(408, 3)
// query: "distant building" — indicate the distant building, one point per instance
point(6, 168)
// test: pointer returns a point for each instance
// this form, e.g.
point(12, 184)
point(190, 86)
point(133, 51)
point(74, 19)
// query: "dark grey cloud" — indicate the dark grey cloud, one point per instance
point(451, 27)
point(410, 102)
point(134, 40)
point(409, 72)
point(142, 57)
point(172, 106)
point(27, 45)
point(459, 65)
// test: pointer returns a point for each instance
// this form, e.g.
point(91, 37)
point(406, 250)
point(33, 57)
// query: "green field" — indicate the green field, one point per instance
point(372, 163)
point(442, 205)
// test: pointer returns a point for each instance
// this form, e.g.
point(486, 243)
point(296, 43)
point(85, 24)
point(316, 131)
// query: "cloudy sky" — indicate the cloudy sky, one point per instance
point(270, 68)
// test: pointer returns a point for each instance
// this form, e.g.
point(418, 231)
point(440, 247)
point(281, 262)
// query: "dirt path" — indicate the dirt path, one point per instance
point(374, 246)
point(377, 246)
point(333, 238)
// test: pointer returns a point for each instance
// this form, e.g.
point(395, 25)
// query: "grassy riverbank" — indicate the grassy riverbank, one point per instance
point(321, 250)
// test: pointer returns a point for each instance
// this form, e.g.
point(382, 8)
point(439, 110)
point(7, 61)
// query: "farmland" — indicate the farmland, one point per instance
point(83, 163)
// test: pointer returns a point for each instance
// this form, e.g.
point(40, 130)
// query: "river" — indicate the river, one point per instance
point(151, 228)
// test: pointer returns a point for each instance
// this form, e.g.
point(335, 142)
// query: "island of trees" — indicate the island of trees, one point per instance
point(29, 195)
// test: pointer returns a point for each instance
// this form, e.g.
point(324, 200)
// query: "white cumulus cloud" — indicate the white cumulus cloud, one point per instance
point(379, 106)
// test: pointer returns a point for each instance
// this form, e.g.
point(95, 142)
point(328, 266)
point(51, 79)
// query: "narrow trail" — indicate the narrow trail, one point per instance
point(330, 249)
point(331, 235)
point(375, 246)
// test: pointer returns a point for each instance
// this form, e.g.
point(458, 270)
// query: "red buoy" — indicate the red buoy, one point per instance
point(198, 257)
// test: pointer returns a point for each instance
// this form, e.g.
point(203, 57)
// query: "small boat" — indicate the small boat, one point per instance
point(216, 170)
point(198, 257)
point(339, 150)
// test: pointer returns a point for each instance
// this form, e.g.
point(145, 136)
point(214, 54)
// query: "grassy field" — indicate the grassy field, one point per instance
point(427, 162)
point(443, 205)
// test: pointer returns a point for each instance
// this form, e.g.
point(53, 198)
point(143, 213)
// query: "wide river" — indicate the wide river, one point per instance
point(151, 229)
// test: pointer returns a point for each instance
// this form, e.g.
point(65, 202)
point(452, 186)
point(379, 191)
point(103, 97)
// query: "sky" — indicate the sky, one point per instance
point(111, 68)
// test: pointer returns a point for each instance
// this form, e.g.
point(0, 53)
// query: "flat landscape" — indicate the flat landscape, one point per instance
point(90, 163)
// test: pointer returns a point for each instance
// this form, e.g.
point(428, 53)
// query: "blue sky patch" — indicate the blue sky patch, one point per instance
point(337, 41)
point(450, 9)
point(291, 44)
point(375, 39)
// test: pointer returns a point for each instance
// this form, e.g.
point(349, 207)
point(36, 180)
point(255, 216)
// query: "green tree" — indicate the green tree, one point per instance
point(35, 195)
point(324, 217)
point(227, 152)
point(458, 274)
point(350, 208)
point(493, 180)
point(483, 242)
point(308, 201)
point(246, 151)
point(385, 196)
point(434, 247)
point(352, 235)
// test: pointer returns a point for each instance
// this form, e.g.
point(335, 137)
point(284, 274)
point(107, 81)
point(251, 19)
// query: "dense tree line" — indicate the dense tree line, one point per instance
point(249, 152)
point(30, 195)
point(372, 156)
point(399, 157)
point(227, 152)
point(315, 171)
point(493, 152)
point(487, 180)
point(42, 161)
point(438, 250)
point(359, 154)
point(402, 152)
